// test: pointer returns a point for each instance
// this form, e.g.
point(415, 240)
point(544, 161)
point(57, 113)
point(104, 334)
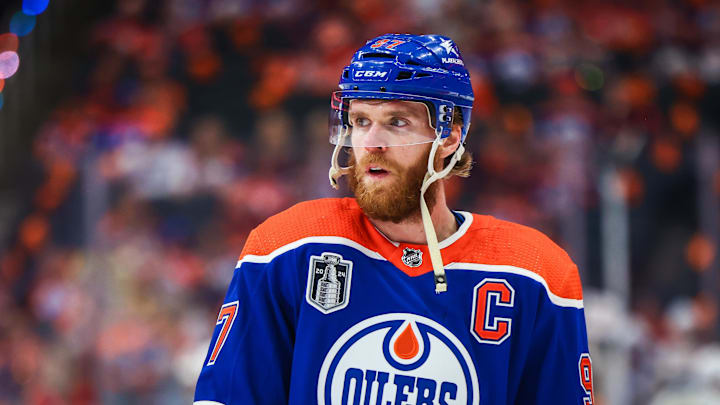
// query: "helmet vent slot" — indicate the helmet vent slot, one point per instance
point(421, 74)
point(346, 74)
point(404, 75)
point(413, 62)
point(373, 55)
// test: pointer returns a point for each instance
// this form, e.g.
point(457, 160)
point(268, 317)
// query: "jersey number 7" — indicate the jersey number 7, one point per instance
point(226, 319)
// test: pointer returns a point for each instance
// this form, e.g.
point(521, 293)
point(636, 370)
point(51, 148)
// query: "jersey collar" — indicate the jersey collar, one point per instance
point(414, 259)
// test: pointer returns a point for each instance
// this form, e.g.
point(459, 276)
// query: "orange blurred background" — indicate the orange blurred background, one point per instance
point(141, 140)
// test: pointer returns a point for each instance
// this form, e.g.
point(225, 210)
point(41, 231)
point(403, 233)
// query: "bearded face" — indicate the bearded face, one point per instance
point(391, 142)
point(387, 190)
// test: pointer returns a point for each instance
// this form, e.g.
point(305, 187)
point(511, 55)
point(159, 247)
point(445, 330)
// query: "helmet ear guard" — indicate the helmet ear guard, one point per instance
point(444, 114)
point(441, 115)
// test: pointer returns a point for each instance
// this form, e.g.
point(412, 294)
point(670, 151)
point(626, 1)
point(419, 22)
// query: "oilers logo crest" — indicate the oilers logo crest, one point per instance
point(328, 287)
point(394, 359)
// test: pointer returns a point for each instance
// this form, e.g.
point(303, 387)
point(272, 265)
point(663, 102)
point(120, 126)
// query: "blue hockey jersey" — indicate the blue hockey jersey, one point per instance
point(324, 309)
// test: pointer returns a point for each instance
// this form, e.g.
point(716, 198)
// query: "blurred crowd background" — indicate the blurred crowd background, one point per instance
point(141, 141)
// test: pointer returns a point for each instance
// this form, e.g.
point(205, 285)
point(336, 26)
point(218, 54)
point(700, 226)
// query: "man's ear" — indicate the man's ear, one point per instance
point(451, 143)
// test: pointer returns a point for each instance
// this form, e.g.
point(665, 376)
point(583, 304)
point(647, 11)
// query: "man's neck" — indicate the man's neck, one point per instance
point(412, 230)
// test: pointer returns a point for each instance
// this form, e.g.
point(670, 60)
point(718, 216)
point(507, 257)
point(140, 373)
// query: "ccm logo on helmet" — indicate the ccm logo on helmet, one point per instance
point(369, 73)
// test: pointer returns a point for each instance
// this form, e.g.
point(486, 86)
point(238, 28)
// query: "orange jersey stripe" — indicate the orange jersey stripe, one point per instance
point(487, 241)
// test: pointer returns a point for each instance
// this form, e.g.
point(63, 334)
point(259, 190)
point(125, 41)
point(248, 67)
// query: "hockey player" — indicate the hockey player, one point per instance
point(390, 297)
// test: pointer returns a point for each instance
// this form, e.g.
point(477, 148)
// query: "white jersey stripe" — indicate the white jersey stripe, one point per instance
point(330, 240)
point(496, 268)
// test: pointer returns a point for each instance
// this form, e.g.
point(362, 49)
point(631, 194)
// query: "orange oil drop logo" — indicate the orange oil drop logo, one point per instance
point(407, 346)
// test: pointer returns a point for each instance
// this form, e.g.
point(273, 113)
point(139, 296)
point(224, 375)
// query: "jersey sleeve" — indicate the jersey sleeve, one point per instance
point(558, 368)
point(250, 353)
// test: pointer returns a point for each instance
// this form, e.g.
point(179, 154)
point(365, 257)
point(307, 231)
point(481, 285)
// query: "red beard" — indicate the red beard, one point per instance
point(397, 201)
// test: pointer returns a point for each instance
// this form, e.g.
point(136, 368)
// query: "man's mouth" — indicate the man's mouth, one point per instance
point(376, 171)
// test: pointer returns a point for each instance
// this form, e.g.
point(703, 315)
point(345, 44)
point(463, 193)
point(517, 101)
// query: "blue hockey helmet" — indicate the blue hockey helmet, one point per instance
point(421, 68)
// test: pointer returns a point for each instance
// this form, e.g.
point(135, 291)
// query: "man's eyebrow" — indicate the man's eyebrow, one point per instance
point(393, 113)
point(403, 113)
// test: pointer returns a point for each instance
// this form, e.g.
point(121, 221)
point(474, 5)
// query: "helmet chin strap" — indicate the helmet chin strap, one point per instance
point(336, 171)
point(433, 247)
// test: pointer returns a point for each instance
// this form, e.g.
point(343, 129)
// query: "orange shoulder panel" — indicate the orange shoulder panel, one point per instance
point(506, 243)
point(324, 217)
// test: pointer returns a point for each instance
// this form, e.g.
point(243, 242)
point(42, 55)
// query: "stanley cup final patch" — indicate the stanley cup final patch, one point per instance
point(328, 287)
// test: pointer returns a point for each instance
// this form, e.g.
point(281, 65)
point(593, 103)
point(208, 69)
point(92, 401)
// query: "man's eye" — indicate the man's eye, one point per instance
point(397, 122)
point(361, 122)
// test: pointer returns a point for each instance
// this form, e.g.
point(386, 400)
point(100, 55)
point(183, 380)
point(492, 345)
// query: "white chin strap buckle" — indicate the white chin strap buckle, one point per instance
point(336, 171)
point(440, 284)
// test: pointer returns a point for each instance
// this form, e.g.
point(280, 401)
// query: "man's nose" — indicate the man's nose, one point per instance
point(374, 139)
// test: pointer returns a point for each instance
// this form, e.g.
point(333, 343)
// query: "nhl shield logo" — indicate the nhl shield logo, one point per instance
point(412, 257)
point(328, 287)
